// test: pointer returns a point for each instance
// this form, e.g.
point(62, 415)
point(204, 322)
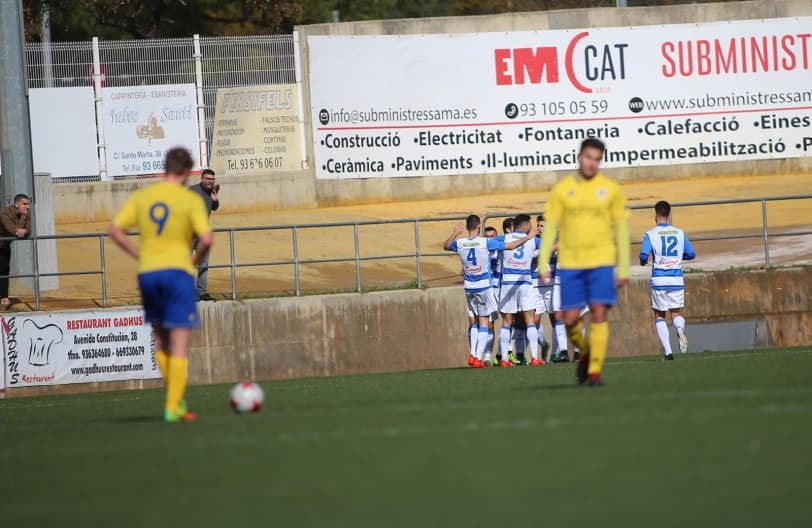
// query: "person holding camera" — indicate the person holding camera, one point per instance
point(208, 189)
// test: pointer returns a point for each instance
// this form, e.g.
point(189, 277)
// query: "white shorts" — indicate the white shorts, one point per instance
point(515, 298)
point(544, 300)
point(496, 291)
point(481, 304)
point(665, 300)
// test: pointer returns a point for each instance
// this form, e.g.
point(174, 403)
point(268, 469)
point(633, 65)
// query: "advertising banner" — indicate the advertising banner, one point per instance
point(256, 129)
point(419, 105)
point(142, 122)
point(63, 131)
point(61, 348)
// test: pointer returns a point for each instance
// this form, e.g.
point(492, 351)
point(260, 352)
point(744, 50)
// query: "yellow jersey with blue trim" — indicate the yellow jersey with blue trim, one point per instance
point(587, 212)
point(168, 217)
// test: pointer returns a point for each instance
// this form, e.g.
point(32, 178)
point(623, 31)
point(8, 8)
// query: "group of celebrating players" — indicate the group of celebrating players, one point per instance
point(575, 269)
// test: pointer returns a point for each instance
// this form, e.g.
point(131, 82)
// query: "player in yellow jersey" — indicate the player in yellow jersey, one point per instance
point(168, 216)
point(589, 211)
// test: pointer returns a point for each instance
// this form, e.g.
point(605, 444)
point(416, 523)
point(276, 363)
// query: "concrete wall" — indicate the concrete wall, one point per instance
point(407, 330)
point(335, 192)
point(98, 201)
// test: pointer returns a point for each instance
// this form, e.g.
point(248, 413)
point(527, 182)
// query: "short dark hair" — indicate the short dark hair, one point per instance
point(540, 218)
point(489, 229)
point(663, 209)
point(508, 223)
point(522, 219)
point(21, 196)
point(206, 172)
point(592, 143)
point(472, 222)
point(178, 161)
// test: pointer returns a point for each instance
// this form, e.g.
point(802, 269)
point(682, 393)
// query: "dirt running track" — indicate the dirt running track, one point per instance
point(82, 255)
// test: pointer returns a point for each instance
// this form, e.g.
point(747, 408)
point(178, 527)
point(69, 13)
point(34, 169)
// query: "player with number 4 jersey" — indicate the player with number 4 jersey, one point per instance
point(168, 216)
point(475, 255)
point(669, 247)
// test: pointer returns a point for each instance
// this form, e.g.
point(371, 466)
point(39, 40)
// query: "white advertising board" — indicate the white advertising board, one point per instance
point(63, 131)
point(419, 105)
point(256, 129)
point(61, 348)
point(142, 122)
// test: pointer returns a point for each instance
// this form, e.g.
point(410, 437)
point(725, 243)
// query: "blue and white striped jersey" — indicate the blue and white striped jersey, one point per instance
point(517, 263)
point(669, 247)
point(554, 268)
point(554, 265)
point(535, 275)
point(496, 270)
point(475, 254)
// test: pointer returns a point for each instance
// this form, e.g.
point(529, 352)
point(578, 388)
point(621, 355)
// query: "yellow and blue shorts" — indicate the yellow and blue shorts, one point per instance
point(169, 298)
point(582, 287)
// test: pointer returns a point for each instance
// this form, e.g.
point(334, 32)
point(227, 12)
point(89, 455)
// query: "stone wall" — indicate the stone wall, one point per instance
point(423, 329)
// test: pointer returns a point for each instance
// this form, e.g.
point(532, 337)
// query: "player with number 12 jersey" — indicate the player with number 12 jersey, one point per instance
point(668, 246)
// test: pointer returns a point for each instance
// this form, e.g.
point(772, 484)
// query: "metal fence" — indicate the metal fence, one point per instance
point(418, 253)
point(225, 62)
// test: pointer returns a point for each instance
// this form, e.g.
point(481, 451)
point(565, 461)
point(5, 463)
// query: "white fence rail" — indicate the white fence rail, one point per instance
point(418, 249)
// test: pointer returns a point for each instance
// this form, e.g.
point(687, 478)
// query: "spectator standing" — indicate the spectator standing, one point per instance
point(208, 189)
point(15, 221)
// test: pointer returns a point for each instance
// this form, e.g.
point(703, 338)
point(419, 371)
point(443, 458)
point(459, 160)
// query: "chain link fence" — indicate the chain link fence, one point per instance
point(226, 62)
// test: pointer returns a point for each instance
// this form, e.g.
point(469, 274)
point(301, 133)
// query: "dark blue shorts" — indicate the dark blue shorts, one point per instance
point(170, 298)
point(581, 287)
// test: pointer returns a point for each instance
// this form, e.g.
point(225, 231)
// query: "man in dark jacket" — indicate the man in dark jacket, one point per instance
point(208, 189)
point(14, 222)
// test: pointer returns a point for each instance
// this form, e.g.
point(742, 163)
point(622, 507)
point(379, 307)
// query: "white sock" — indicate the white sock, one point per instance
point(679, 322)
point(561, 335)
point(541, 334)
point(473, 330)
point(481, 343)
point(489, 346)
point(662, 333)
point(504, 342)
point(533, 339)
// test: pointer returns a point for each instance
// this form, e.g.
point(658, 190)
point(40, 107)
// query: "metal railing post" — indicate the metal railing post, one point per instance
point(296, 274)
point(766, 234)
point(97, 91)
point(201, 106)
point(417, 253)
point(36, 274)
point(357, 258)
point(233, 265)
point(103, 263)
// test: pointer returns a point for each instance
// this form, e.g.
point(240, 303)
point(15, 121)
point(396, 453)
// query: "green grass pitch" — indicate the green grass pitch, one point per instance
point(716, 439)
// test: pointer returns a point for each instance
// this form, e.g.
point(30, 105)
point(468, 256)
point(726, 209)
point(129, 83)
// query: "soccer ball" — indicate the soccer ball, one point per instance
point(247, 397)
